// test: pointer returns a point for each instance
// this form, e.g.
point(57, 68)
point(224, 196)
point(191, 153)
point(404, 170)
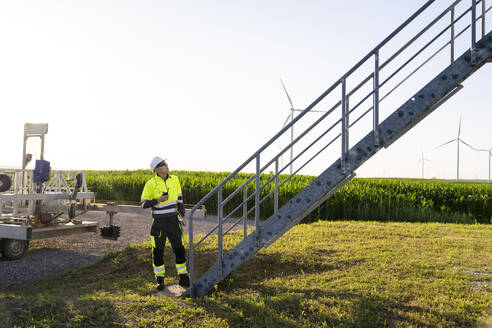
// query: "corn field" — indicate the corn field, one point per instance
point(380, 199)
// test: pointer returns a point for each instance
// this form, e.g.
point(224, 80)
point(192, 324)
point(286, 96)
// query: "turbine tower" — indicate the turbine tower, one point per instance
point(291, 117)
point(423, 160)
point(458, 140)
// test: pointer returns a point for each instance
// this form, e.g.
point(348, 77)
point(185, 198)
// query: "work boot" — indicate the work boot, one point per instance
point(184, 280)
point(160, 283)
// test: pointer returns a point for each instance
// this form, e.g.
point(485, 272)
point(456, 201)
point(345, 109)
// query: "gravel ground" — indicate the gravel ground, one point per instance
point(52, 256)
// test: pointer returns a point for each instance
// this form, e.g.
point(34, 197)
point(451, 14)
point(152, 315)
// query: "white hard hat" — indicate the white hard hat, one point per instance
point(155, 161)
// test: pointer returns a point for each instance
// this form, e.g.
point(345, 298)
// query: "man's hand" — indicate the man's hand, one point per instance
point(184, 221)
point(163, 198)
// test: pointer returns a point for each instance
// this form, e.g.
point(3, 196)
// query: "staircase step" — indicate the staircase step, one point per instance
point(424, 102)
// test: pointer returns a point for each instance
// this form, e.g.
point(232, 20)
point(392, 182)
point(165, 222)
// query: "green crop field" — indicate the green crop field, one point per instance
point(383, 199)
point(322, 274)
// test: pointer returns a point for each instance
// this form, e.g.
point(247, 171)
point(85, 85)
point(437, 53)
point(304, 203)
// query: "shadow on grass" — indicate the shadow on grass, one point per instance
point(286, 307)
point(57, 312)
point(248, 299)
point(104, 294)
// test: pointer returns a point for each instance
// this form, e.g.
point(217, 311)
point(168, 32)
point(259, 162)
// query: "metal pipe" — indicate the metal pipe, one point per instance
point(304, 150)
point(391, 36)
point(425, 29)
point(300, 168)
point(291, 141)
point(321, 97)
point(414, 56)
point(314, 156)
point(375, 100)
point(232, 226)
point(452, 36)
point(42, 147)
point(275, 201)
point(347, 123)
point(473, 24)
point(257, 200)
point(190, 253)
point(220, 253)
point(483, 18)
point(400, 83)
point(299, 137)
point(344, 127)
point(245, 212)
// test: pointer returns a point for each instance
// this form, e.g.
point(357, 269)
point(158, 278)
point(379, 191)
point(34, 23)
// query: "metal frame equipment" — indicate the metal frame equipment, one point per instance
point(41, 203)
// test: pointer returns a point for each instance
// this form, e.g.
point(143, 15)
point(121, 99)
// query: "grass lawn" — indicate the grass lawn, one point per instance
point(324, 274)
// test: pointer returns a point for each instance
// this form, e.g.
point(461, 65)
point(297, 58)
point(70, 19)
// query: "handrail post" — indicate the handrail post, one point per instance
point(245, 211)
point(452, 35)
point(257, 201)
point(191, 247)
point(344, 126)
point(220, 214)
point(483, 18)
point(474, 25)
point(291, 141)
point(375, 99)
point(275, 204)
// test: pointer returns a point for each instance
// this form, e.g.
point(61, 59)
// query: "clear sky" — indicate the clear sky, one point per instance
point(199, 81)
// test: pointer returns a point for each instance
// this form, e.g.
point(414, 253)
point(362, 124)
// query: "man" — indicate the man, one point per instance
point(163, 194)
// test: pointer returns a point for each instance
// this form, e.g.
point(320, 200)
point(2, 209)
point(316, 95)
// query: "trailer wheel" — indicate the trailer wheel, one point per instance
point(14, 249)
point(5, 182)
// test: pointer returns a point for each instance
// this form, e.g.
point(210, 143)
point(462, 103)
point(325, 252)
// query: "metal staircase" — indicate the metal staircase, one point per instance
point(454, 28)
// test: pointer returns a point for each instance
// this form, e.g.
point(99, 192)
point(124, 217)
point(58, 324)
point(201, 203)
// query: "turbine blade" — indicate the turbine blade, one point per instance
point(468, 145)
point(459, 128)
point(287, 120)
point(444, 144)
point(287, 94)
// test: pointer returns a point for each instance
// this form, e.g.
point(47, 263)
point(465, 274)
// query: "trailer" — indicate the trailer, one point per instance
point(43, 203)
point(40, 203)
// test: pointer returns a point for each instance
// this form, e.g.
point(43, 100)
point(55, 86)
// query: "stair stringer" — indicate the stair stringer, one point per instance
point(392, 128)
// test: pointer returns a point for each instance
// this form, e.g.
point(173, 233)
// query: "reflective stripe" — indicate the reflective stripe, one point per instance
point(171, 210)
point(165, 204)
point(164, 207)
point(152, 241)
point(159, 271)
point(181, 268)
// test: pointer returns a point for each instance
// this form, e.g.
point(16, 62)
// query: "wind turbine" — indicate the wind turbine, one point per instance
point(423, 161)
point(291, 118)
point(489, 153)
point(458, 140)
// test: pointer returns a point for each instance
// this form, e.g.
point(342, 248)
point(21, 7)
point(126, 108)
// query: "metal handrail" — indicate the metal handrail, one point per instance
point(252, 157)
point(415, 70)
point(346, 111)
point(323, 95)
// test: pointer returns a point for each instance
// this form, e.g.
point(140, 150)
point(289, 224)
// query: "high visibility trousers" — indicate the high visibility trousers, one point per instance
point(169, 228)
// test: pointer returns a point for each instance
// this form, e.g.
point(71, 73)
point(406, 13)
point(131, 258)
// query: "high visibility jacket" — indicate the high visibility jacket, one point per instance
point(153, 190)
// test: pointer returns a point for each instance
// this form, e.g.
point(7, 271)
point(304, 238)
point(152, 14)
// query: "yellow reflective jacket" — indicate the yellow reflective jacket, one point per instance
point(153, 190)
